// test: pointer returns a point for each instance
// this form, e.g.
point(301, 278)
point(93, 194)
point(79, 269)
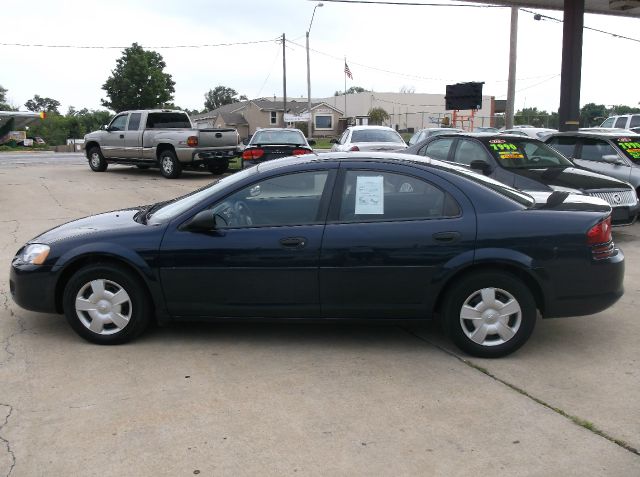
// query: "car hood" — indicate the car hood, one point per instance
point(567, 178)
point(109, 223)
point(562, 201)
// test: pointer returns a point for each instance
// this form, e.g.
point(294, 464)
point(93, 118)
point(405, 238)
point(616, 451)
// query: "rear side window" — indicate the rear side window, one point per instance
point(134, 121)
point(438, 149)
point(168, 121)
point(621, 122)
point(635, 121)
point(564, 145)
point(594, 149)
point(384, 196)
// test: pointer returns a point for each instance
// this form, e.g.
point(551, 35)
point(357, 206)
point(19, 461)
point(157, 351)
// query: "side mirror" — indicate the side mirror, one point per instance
point(203, 221)
point(104, 127)
point(312, 142)
point(481, 166)
point(611, 159)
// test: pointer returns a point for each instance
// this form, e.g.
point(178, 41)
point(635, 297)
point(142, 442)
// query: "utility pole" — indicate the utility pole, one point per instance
point(284, 80)
point(511, 86)
point(310, 122)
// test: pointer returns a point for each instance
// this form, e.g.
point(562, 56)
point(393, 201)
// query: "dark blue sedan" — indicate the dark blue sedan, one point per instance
point(368, 236)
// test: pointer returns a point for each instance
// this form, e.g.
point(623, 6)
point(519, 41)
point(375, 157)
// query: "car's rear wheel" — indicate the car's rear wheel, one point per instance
point(489, 314)
point(97, 162)
point(170, 167)
point(106, 304)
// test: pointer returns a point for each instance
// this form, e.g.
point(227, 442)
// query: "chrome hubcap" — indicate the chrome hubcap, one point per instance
point(490, 316)
point(167, 165)
point(103, 307)
point(95, 159)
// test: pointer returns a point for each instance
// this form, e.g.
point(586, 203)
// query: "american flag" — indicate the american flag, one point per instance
point(347, 71)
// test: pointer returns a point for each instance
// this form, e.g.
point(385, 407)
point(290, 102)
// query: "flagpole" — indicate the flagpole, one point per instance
point(345, 87)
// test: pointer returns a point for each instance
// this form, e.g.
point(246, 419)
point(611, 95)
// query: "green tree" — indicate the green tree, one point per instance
point(377, 116)
point(43, 104)
point(592, 114)
point(352, 90)
point(219, 96)
point(138, 81)
point(533, 117)
point(3, 100)
point(622, 109)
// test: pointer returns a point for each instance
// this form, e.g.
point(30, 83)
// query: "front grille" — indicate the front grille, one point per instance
point(617, 198)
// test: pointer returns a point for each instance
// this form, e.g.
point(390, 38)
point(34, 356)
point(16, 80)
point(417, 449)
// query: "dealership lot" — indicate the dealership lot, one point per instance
point(230, 399)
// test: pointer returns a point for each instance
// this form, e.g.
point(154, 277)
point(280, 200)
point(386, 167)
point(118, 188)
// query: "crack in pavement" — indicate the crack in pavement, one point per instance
point(6, 441)
point(574, 419)
point(22, 328)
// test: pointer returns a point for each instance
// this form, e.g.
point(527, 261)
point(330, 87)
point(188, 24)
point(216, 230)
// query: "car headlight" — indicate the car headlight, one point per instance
point(35, 254)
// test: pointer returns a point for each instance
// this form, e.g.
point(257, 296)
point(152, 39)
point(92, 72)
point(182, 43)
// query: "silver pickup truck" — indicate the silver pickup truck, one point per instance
point(160, 138)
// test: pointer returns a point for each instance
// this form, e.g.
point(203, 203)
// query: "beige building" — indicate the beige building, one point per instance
point(410, 110)
point(248, 116)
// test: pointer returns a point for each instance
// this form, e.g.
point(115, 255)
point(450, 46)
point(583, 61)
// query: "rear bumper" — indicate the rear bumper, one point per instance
point(589, 290)
point(196, 156)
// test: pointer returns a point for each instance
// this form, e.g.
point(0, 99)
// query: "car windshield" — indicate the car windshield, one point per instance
point(163, 212)
point(375, 135)
point(294, 138)
point(516, 153)
point(630, 147)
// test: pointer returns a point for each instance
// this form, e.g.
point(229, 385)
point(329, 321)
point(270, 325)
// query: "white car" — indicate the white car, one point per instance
point(368, 138)
point(536, 133)
point(624, 121)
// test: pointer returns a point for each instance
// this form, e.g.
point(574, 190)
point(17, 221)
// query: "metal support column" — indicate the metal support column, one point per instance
point(511, 85)
point(569, 111)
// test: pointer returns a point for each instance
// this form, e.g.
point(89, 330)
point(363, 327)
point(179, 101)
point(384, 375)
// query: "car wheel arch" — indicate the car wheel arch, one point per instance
point(82, 261)
point(91, 144)
point(501, 267)
point(160, 148)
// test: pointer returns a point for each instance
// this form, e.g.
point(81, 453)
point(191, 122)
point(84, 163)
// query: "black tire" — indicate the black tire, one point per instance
point(218, 169)
point(97, 162)
point(496, 332)
point(99, 287)
point(143, 166)
point(170, 166)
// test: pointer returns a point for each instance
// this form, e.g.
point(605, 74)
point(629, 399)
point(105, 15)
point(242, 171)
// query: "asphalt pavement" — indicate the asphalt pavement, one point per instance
point(293, 399)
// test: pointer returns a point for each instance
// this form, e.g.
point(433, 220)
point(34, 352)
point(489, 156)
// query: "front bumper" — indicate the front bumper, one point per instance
point(32, 287)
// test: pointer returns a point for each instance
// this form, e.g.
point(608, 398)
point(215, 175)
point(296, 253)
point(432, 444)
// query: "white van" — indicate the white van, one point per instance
point(624, 121)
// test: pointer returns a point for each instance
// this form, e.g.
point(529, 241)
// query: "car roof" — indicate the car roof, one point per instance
point(608, 134)
point(358, 128)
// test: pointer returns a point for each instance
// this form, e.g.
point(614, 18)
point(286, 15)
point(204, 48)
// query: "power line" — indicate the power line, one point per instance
point(540, 16)
point(416, 4)
point(405, 75)
point(92, 47)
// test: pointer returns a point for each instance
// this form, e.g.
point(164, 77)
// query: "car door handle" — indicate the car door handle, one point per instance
point(293, 242)
point(121, 136)
point(446, 236)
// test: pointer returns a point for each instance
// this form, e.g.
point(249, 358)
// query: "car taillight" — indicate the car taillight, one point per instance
point(299, 152)
point(251, 154)
point(354, 148)
point(192, 141)
point(599, 237)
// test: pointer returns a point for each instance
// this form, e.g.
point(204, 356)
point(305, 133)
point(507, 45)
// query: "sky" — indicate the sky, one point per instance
point(387, 47)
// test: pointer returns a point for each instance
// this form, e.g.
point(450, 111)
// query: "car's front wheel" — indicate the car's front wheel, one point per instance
point(106, 304)
point(489, 314)
point(97, 162)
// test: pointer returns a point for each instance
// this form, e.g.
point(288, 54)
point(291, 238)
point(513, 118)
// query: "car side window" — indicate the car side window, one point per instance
point(134, 121)
point(377, 196)
point(119, 123)
point(621, 122)
point(594, 149)
point(469, 151)
point(608, 123)
point(564, 145)
point(291, 199)
point(635, 121)
point(438, 149)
